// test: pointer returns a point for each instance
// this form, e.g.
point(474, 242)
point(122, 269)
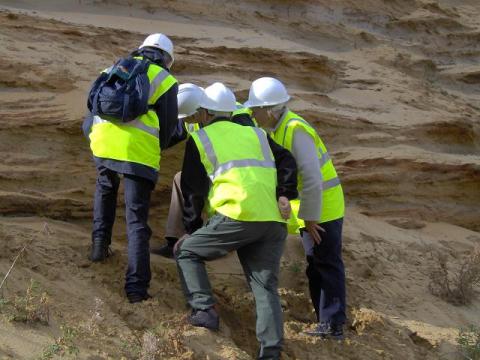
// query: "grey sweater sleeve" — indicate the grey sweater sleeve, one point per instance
point(305, 154)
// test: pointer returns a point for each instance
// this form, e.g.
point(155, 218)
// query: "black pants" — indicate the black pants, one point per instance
point(326, 274)
point(137, 204)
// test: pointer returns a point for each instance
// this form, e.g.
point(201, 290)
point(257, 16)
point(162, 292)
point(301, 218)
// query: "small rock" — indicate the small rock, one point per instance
point(84, 264)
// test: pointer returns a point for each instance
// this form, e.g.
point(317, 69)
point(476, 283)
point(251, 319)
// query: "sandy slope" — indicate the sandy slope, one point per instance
point(392, 86)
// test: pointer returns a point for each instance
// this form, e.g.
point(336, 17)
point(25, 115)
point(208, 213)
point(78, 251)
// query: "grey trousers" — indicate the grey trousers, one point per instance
point(259, 246)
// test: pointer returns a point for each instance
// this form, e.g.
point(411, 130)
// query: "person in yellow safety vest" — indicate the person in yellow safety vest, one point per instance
point(247, 180)
point(319, 211)
point(133, 149)
point(189, 121)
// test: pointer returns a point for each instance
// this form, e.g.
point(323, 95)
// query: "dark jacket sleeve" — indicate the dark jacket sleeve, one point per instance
point(195, 186)
point(243, 119)
point(180, 133)
point(166, 108)
point(286, 171)
point(87, 125)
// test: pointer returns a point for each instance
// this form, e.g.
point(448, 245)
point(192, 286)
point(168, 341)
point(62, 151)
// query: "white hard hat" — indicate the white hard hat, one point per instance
point(159, 41)
point(266, 91)
point(218, 97)
point(189, 96)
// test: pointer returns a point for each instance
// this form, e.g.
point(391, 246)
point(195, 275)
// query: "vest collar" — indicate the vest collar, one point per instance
point(280, 121)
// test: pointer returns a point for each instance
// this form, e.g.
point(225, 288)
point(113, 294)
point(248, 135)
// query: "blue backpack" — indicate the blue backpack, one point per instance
point(123, 94)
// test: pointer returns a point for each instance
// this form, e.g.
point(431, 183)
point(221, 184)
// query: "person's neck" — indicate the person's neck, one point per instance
point(270, 123)
point(216, 119)
point(275, 119)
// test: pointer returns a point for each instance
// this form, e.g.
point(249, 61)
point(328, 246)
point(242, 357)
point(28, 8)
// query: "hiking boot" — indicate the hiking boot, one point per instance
point(136, 298)
point(100, 250)
point(327, 330)
point(165, 251)
point(205, 318)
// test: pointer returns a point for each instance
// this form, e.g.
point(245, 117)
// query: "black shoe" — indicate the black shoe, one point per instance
point(205, 318)
point(336, 331)
point(165, 251)
point(136, 298)
point(100, 250)
point(328, 330)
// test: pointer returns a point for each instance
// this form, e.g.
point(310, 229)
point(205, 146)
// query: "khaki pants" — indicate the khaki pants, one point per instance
point(175, 228)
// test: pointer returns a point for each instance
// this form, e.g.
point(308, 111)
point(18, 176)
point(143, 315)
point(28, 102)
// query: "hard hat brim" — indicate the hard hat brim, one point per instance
point(183, 116)
point(206, 105)
point(219, 110)
point(250, 104)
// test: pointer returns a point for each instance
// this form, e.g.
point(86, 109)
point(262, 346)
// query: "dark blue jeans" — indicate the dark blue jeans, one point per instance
point(137, 204)
point(326, 274)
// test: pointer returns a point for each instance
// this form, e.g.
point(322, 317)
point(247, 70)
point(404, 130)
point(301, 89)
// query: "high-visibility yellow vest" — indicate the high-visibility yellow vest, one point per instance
point(191, 127)
point(241, 166)
point(244, 110)
point(137, 141)
point(333, 206)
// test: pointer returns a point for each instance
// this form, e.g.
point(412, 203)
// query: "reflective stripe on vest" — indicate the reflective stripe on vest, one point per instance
point(324, 159)
point(162, 81)
point(219, 169)
point(331, 183)
point(134, 123)
point(157, 81)
point(207, 145)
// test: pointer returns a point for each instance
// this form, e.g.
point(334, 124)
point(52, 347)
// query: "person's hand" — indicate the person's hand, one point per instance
point(284, 207)
point(314, 230)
